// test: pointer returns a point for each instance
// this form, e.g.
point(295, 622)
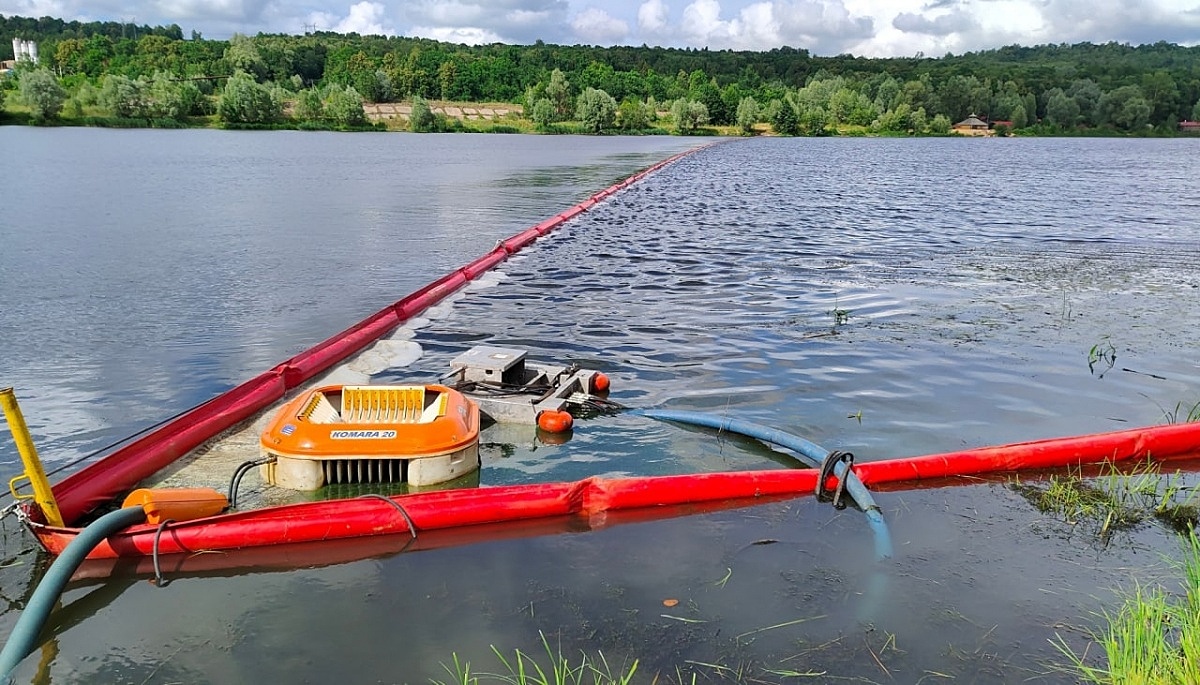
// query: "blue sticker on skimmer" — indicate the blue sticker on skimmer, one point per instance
point(287, 429)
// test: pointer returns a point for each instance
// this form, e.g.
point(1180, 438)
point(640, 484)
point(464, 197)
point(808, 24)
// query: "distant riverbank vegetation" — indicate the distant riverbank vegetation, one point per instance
point(114, 74)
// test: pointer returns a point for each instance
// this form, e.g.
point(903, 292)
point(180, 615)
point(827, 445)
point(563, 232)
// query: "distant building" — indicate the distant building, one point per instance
point(25, 50)
point(1189, 127)
point(972, 126)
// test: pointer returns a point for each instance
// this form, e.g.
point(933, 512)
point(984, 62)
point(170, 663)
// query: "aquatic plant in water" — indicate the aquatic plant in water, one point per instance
point(1153, 638)
point(522, 669)
point(1117, 499)
point(1102, 354)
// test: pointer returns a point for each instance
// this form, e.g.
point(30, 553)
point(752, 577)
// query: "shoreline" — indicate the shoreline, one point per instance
point(507, 118)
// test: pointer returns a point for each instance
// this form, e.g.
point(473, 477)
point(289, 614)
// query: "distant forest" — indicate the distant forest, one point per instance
point(1111, 86)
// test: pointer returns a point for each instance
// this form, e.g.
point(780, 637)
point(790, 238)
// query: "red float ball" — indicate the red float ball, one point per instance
point(555, 421)
point(599, 383)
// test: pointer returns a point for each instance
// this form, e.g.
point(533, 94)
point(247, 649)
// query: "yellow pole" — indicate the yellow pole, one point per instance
point(42, 493)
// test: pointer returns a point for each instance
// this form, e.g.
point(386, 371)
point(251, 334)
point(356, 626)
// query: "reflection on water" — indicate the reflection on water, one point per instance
point(886, 297)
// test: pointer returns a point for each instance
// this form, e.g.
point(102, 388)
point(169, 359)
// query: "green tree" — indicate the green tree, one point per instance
point(747, 114)
point(815, 121)
point(1031, 110)
point(896, 120)
point(1019, 118)
point(543, 113)
point(1162, 94)
point(1126, 108)
point(125, 97)
point(361, 72)
point(918, 121)
point(598, 75)
point(632, 115)
point(1061, 109)
point(559, 92)
point(596, 110)
point(309, 106)
point(981, 97)
point(421, 118)
point(783, 118)
point(689, 115)
point(1196, 111)
point(41, 91)
point(1087, 95)
point(68, 55)
point(1133, 113)
point(447, 78)
point(97, 54)
point(887, 94)
point(955, 96)
point(1006, 100)
point(939, 125)
point(922, 93)
point(386, 88)
point(707, 94)
point(172, 99)
point(841, 104)
point(244, 101)
point(243, 54)
point(344, 107)
point(847, 106)
point(155, 53)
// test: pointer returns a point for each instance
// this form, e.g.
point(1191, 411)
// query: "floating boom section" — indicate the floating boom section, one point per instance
point(117, 473)
point(593, 497)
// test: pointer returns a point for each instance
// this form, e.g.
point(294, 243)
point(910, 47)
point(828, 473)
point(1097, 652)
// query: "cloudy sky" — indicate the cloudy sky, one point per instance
point(875, 28)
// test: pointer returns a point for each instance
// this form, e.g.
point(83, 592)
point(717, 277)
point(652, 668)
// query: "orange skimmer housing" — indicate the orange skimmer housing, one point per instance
point(419, 434)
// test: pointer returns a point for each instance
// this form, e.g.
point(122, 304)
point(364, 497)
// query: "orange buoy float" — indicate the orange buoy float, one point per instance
point(599, 383)
point(177, 504)
point(553, 421)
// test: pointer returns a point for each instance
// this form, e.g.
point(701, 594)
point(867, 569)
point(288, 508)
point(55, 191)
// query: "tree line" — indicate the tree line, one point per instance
point(153, 72)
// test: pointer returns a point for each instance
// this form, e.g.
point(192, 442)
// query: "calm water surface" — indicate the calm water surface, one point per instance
point(887, 297)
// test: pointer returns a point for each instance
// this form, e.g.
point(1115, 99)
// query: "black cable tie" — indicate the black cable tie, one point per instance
point(412, 527)
point(159, 581)
point(827, 466)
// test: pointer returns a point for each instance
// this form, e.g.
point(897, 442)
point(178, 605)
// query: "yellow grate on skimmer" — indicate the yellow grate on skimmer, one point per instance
point(389, 404)
point(318, 409)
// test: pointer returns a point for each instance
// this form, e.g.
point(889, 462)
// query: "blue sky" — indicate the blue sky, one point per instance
point(874, 28)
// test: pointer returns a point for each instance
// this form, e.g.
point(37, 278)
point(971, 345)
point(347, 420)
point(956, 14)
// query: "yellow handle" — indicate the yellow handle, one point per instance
point(13, 487)
point(42, 493)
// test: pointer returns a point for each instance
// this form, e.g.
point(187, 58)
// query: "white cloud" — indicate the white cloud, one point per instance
point(35, 8)
point(599, 27)
point(365, 18)
point(512, 21)
point(876, 28)
point(823, 26)
point(652, 17)
point(470, 35)
point(702, 23)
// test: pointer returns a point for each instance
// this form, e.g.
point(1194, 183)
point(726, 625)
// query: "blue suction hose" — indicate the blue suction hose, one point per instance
point(810, 454)
point(23, 639)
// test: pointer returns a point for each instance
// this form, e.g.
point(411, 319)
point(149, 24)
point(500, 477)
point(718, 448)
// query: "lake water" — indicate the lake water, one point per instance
point(886, 297)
